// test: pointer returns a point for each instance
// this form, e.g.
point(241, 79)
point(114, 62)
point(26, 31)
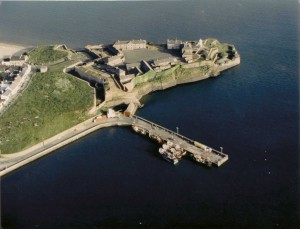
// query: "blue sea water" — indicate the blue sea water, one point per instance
point(115, 178)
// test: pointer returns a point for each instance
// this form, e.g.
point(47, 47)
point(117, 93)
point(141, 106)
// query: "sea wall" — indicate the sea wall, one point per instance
point(234, 62)
point(149, 87)
point(187, 73)
point(80, 131)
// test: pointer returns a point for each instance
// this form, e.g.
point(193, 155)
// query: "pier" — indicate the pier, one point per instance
point(175, 145)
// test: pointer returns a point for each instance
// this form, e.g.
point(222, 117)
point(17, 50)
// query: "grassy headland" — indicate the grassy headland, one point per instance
point(53, 102)
point(45, 55)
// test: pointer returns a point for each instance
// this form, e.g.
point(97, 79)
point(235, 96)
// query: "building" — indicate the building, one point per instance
point(114, 60)
point(164, 62)
point(174, 44)
point(6, 94)
point(120, 72)
point(111, 113)
point(130, 45)
point(187, 52)
point(145, 66)
point(92, 75)
point(15, 85)
point(132, 66)
point(3, 87)
point(43, 69)
point(213, 53)
point(16, 60)
point(126, 78)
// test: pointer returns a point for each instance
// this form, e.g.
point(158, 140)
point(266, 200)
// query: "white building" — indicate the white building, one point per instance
point(43, 69)
point(111, 113)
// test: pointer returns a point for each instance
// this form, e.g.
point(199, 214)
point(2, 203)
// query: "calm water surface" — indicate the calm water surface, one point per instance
point(115, 178)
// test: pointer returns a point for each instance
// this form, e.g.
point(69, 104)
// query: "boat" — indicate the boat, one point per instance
point(175, 161)
point(168, 154)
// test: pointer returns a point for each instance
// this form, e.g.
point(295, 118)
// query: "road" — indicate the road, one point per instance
point(49, 145)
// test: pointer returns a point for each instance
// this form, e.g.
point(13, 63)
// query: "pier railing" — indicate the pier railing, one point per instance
point(163, 128)
point(135, 117)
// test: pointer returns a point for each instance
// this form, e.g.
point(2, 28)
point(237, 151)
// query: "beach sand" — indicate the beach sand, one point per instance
point(10, 49)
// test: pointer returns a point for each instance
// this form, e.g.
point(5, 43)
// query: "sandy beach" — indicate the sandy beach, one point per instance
point(9, 49)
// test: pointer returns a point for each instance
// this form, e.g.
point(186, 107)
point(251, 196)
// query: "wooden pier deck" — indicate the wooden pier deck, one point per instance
point(198, 151)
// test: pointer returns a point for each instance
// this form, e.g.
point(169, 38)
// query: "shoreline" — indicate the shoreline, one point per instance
point(50, 145)
point(8, 49)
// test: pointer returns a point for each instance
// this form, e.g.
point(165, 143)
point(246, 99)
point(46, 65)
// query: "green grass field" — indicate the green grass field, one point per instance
point(53, 102)
point(175, 72)
point(45, 55)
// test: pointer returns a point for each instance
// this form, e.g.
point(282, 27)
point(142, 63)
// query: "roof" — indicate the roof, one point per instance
point(7, 92)
point(177, 42)
point(140, 41)
point(15, 83)
point(165, 60)
point(132, 65)
point(3, 86)
point(126, 78)
point(114, 58)
point(17, 58)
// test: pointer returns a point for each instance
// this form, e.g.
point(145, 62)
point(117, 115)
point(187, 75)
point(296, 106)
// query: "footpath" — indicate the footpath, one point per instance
point(11, 162)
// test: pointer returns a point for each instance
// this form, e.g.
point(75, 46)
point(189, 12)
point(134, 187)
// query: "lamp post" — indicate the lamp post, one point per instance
point(221, 149)
point(177, 129)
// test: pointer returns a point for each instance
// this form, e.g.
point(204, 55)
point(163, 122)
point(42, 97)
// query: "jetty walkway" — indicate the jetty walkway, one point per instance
point(200, 152)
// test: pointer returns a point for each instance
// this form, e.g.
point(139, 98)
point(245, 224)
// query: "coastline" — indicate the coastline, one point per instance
point(7, 49)
point(11, 162)
point(19, 159)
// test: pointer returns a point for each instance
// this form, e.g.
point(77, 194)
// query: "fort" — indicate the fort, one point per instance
point(121, 74)
point(125, 71)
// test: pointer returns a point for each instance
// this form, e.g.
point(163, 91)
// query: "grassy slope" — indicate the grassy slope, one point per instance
point(175, 72)
point(45, 55)
point(53, 102)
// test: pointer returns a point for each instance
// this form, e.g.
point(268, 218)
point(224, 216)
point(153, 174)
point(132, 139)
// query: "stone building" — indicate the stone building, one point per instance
point(114, 60)
point(130, 45)
point(16, 60)
point(174, 44)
